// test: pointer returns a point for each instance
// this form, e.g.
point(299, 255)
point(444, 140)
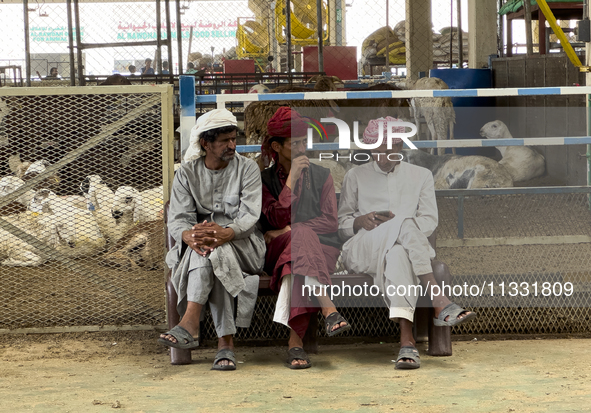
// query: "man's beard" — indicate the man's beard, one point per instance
point(227, 155)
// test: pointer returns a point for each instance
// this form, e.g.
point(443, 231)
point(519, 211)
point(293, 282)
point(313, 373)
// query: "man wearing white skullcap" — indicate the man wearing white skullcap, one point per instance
point(387, 209)
point(215, 204)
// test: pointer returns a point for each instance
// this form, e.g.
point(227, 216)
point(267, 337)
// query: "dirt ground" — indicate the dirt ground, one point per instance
point(123, 371)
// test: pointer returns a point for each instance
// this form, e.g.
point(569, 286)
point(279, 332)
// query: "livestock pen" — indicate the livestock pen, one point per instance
point(93, 140)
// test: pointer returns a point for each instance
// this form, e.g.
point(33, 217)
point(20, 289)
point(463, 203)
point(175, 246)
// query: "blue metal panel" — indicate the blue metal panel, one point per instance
point(187, 95)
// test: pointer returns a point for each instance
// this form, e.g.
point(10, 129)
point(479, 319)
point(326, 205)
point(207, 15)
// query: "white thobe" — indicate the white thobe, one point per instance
point(397, 251)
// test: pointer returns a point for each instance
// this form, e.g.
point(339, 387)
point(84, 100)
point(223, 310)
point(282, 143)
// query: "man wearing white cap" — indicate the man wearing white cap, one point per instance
point(387, 209)
point(215, 204)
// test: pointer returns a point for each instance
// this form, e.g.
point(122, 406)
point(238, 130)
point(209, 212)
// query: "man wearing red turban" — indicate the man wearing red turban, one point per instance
point(299, 218)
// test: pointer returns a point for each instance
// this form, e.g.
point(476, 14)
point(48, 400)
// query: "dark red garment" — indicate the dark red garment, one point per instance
point(299, 251)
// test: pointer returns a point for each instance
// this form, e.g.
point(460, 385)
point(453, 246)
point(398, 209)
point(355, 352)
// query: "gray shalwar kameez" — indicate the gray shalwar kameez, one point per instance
point(231, 197)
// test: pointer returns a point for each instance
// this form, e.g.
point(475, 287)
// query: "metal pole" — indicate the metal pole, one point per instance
point(501, 32)
point(451, 35)
point(288, 33)
point(159, 35)
point(320, 51)
point(27, 45)
point(190, 44)
point(81, 80)
point(168, 35)
point(71, 44)
point(387, 37)
point(460, 40)
point(528, 40)
point(179, 35)
point(588, 102)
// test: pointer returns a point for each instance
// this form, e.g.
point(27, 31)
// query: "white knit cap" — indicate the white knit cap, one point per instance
point(217, 118)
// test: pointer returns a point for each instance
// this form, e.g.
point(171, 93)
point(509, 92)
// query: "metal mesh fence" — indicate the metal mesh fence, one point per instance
point(234, 37)
point(81, 229)
point(533, 240)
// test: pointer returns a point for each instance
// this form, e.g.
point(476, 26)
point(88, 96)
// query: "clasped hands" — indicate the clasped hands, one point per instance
point(204, 237)
point(371, 220)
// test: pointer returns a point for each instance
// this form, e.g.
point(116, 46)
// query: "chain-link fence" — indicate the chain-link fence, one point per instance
point(229, 36)
point(84, 178)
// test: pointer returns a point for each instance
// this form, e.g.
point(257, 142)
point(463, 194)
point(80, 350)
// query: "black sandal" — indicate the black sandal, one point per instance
point(298, 353)
point(335, 319)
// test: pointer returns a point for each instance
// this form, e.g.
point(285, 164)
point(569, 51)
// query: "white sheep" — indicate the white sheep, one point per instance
point(100, 200)
point(29, 170)
point(76, 226)
point(130, 204)
point(521, 162)
point(461, 172)
point(8, 185)
point(17, 252)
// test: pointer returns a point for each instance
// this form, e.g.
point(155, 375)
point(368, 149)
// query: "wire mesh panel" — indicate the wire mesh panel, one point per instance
point(81, 195)
point(528, 254)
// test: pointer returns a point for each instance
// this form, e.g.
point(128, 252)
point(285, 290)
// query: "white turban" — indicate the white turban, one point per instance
point(217, 118)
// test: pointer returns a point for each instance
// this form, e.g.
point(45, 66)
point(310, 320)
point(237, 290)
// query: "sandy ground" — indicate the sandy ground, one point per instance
point(105, 372)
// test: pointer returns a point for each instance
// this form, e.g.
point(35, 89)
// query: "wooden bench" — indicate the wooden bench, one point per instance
point(439, 338)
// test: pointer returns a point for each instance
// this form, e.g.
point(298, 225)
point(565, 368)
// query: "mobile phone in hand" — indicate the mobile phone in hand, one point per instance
point(383, 213)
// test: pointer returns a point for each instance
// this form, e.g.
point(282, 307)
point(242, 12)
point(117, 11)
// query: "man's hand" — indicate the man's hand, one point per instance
point(370, 221)
point(297, 166)
point(201, 237)
point(380, 218)
point(223, 235)
point(274, 233)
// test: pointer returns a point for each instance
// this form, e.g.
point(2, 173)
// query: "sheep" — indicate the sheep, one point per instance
point(29, 170)
point(17, 252)
point(76, 226)
point(521, 162)
point(8, 185)
point(141, 247)
point(461, 172)
point(438, 112)
point(131, 205)
point(100, 200)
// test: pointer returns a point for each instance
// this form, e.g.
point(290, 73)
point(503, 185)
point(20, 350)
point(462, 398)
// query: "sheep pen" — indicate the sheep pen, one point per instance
point(55, 141)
